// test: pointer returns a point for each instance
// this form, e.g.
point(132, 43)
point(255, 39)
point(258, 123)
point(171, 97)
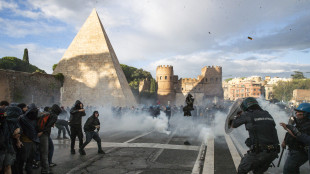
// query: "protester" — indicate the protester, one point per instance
point(76, 114)
point(62, 124)
point(46, 122)
point(90, 126)
point(29, 138)
point(10, 130)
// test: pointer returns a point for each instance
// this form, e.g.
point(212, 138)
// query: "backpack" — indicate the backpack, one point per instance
point(43, 120)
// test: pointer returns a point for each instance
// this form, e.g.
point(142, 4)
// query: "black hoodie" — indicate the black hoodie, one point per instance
point(28, 123)
point(91, 122)
point(76, 115)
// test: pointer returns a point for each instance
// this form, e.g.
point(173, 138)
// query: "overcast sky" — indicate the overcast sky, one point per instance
point(188, 34)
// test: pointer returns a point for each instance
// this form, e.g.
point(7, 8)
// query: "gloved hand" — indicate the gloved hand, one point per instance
point(294, 130)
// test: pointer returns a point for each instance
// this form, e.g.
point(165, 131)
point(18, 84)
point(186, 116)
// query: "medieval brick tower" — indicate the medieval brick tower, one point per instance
point(206, 86)
point(165, 83)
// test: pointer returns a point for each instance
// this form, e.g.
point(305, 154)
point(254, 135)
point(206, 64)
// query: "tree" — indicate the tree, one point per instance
point(153, 86)
point(284, 89)
point(13, 63)
point(54, 66)
point(298, 75)
point(26, 57)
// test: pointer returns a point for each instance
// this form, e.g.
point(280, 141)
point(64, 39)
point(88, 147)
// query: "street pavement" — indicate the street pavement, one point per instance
point(152, 152)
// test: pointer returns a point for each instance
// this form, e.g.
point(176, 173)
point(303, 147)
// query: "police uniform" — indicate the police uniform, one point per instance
point(263, 140)
point(298, 154)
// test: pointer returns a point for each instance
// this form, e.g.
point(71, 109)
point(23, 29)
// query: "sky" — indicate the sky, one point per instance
point(187, 34)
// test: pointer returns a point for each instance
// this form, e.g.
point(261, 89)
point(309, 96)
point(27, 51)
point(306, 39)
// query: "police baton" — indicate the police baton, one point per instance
point(290, 122)
point(281, 155)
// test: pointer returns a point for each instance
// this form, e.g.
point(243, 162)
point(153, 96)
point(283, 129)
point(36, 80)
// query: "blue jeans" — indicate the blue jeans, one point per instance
point(50, 150)
point(92, 135)
point(294, 160)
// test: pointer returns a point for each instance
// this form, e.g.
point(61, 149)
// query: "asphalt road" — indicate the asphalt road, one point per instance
point(155, 152)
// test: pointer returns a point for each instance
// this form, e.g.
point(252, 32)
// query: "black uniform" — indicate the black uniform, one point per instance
point(297, 155)
point(189, 105)
point(76, 124)
point(263, 141)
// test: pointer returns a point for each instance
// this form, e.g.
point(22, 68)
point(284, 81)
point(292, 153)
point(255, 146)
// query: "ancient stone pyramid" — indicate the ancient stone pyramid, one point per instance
point(92, 71)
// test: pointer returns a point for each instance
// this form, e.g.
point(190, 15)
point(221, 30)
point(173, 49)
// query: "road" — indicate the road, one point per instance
point(153, 152)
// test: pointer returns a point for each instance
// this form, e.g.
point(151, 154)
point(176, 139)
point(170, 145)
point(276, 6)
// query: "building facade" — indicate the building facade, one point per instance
point(301, 96)
point(244, 87)
point(206, 86)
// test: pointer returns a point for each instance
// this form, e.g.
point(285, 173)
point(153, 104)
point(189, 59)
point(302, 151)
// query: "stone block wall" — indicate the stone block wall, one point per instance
point(38, 88)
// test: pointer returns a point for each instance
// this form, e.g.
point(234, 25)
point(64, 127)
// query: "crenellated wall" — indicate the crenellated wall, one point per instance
point(206, 85)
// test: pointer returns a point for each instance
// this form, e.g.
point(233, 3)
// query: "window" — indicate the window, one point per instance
point(254, 89)
point(241, 95)
point(160, 78)
point(182, 89)
point(165, 77)
point(242, 90)
point(247, 90)
point(216, 79)
point(206, 79)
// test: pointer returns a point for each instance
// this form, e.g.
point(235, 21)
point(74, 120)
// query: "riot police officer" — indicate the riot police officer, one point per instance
point(263, 139)
point(297, 155)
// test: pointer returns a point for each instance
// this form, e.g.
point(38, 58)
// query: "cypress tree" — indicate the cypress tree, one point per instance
point(26, 57)
point(153, 86)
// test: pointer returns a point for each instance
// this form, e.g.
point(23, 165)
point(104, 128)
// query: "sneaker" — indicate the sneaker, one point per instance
point(101, 151)
point(82, 152)
point(52, 165)
point(72, 151)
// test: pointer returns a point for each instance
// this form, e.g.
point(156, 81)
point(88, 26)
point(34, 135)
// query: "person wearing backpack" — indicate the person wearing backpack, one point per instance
point(45, 124)
point(90, 126)
point(75, 122)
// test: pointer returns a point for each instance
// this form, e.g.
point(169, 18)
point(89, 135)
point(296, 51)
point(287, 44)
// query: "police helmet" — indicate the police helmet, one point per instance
point(305, 108)
point(248, 102)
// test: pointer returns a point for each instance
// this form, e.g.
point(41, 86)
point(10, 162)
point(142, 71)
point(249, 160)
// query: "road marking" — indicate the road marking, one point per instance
point(208, 167)
point(200, 159)
point(97, 157)
point(144, 145)
point(139, 136)
point(156, 155)
point(233, 151)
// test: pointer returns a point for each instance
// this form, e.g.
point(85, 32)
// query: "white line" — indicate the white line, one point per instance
point(196, 168)
point(156, 155)
point(208, 167)
point(139, 136)
point(97, 157)
point(233, 151)
point(144, 145)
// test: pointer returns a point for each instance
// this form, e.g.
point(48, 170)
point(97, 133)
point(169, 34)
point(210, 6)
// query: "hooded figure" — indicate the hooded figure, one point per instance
point(28, 123)
point(29, 138)
point(189, 105)
point(76, 114)
point(90, 126)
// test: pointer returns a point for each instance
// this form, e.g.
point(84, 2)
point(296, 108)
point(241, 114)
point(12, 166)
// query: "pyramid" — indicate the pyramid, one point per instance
point(92, 71)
